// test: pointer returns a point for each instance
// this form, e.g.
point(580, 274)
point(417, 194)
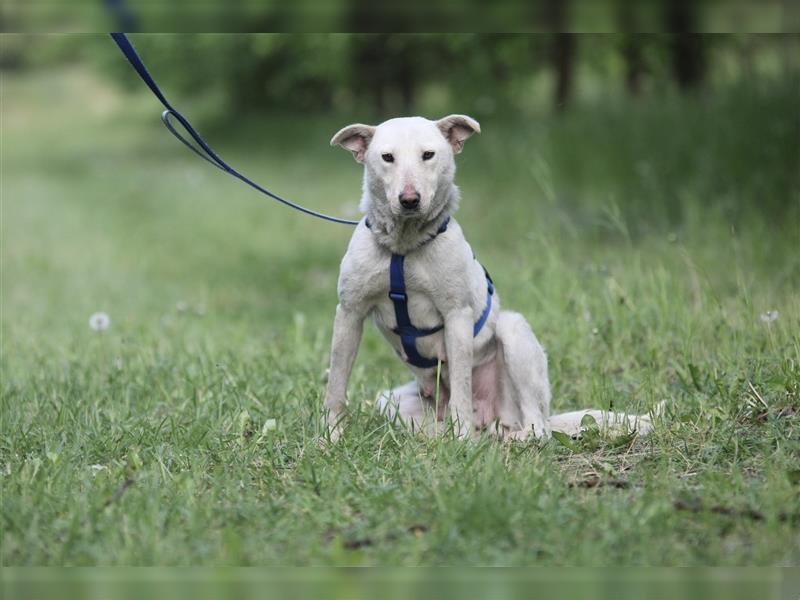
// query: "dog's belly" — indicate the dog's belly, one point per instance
point(486, 379)
point(485, 393)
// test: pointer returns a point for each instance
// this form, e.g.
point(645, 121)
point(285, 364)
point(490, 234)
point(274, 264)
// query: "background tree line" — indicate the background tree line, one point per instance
point(398, 73)
point(380, 74)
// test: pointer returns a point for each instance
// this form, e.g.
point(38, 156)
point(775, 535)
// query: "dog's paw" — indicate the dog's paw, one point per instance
point(333, 434)
point(542, 432)
point(333, 428)
point(465, 431)
point(518, 435)
point(536, 432)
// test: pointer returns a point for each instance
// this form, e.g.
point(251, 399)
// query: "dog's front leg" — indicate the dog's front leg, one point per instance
point(347, 329)
point(458, 343)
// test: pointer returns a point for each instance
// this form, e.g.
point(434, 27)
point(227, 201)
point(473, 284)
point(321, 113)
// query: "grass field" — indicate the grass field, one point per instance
point(647, 245)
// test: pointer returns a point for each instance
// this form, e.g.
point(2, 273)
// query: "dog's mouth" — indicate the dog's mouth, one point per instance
point(413, 211)
point(408, 215)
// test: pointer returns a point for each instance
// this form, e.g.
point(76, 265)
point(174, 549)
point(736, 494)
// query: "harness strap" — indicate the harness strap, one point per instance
point(407, 332)
point(405, 329)
point(486, 309)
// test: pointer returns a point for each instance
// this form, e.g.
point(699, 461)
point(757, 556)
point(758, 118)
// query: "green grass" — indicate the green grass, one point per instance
point(643, 242)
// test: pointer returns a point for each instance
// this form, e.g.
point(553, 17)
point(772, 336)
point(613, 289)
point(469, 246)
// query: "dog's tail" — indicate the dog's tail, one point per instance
point(609, 422)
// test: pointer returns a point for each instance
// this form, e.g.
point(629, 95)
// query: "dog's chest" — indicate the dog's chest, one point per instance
point(422, 311)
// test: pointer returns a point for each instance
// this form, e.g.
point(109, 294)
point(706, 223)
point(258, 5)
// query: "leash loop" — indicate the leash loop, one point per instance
point(200, 147)
point(165, 118)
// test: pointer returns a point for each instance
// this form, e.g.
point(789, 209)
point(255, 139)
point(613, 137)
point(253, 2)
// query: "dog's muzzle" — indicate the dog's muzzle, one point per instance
point(409, 201)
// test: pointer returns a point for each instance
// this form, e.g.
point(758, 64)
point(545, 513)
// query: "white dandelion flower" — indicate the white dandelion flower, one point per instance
point(769, 316)
point(99, 321)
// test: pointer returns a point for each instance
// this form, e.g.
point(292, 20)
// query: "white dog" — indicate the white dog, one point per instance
point(409, 267)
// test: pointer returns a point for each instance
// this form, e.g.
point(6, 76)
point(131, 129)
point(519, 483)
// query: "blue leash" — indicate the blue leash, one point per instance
point(202, 149)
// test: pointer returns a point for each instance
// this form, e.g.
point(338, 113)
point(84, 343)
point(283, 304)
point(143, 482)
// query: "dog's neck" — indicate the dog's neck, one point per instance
point(404, 235)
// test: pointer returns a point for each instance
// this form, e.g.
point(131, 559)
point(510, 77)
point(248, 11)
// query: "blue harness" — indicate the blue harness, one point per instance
point(407, 332)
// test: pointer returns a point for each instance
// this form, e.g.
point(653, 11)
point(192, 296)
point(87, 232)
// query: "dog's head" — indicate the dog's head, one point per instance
point(408, 161)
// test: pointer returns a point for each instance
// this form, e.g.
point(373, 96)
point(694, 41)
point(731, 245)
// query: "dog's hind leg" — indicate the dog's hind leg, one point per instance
point(525, 388)
point(407, 404)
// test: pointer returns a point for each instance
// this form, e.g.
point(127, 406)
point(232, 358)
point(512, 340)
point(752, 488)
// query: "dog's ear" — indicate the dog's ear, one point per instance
point(456, 129)
point(355, 138)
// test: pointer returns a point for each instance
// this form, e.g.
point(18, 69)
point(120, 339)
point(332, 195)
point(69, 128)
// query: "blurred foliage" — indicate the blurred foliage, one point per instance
point(376, 75)
point(408, 16)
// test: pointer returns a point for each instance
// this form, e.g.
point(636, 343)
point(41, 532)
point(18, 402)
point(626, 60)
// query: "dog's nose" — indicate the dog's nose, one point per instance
point(409, 199)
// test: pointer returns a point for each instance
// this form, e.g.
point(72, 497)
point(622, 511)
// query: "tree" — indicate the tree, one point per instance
point(562, 51)
point(687, 47)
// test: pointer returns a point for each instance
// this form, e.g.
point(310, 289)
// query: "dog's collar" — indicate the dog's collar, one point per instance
point(442, 228)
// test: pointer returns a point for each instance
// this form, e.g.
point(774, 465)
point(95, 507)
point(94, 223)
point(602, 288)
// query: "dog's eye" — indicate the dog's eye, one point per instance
point(428, 155)
point(387, 157)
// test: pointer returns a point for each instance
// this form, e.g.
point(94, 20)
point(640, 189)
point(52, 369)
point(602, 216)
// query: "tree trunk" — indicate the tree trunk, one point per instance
point(563, 60)
point(686, 47)
point(562, 50)
point(634, 63)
